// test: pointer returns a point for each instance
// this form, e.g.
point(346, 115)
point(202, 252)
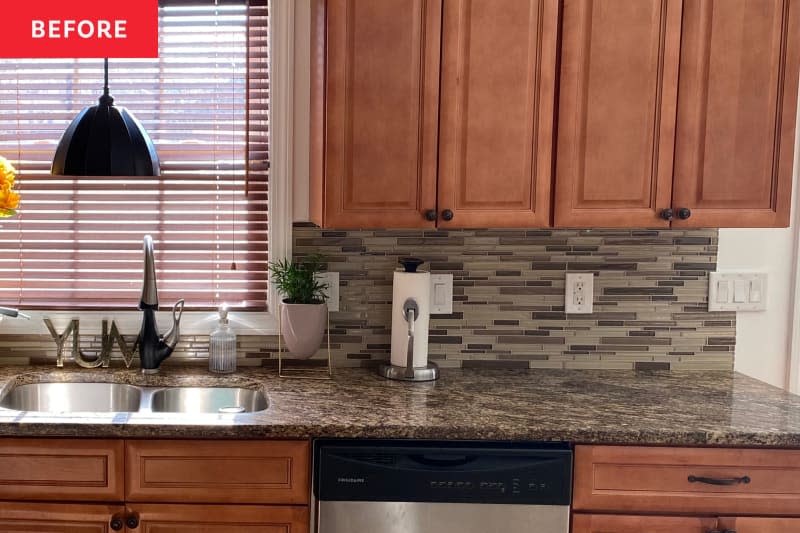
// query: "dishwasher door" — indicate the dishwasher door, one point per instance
point(416, 517)
point(369, 486)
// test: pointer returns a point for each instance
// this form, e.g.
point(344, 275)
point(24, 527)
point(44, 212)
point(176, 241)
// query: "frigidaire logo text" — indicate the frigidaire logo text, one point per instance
point(351, 480)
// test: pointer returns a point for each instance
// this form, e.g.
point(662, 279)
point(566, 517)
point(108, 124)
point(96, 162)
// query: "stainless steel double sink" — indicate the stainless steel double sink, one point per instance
point(66, 398)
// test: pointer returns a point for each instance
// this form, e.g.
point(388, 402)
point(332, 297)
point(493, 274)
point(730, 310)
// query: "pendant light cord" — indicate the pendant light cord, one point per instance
point(106, 99)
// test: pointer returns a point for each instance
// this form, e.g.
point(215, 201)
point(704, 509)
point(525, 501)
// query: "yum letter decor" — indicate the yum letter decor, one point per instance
point(103, 358)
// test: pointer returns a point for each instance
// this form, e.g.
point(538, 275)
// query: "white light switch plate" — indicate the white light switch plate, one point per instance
point(441, 294)
point(331, 279)
point(579, 293)
point(737, 291)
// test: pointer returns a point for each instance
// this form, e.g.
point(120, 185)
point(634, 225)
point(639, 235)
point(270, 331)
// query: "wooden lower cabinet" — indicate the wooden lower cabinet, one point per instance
point(171, 486)
point(57, 517)
point(169, 518)
point(598, 523)
point(757, 524)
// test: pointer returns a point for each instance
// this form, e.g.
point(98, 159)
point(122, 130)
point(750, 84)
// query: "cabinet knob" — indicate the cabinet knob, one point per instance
point(684, 213)
point(116, 524)
point(430, 215)
point(666, 214)
point(447, 215)
point(132, 521)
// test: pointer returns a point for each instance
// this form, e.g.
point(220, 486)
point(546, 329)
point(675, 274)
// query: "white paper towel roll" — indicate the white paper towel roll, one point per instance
point(416, 285)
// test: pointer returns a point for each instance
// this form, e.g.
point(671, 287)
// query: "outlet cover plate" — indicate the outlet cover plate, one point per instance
point(441, 294)
point(737, 291)
point(332, 280)
point(579, 293)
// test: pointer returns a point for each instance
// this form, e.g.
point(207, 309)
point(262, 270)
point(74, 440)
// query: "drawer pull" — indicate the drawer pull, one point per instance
point(720, 481)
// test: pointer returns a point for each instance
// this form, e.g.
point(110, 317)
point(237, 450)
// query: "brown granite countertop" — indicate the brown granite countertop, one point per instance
point(596, 406)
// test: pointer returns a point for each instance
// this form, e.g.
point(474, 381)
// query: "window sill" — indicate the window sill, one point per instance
point(128, 322)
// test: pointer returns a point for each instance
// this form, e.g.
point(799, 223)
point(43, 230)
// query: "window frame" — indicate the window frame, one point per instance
point(279, 237)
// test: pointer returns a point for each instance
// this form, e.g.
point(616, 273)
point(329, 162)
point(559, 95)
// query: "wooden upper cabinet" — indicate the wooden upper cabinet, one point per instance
point(617, 104)
point(737, 112)
point(375, 112)
point(497, 98)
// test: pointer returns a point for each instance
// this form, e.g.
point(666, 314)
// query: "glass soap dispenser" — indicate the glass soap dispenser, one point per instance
point(222, 346)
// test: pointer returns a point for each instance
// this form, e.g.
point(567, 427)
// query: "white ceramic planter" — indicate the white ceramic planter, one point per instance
point(303, 327)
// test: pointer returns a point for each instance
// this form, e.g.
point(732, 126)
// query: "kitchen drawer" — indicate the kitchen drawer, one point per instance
point(61, 469)
point(175, 471)
point(602, 523)
point(639, 479)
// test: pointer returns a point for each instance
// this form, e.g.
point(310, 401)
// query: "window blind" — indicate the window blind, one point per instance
point(77, 241)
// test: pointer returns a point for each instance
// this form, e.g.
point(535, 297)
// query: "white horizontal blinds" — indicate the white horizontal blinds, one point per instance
point(77, 240)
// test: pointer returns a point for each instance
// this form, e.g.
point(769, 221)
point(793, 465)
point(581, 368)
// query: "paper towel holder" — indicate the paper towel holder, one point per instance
point(429, 372)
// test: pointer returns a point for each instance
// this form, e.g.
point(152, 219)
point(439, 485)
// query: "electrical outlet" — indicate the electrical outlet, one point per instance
point(579, 293)
point(331, 279)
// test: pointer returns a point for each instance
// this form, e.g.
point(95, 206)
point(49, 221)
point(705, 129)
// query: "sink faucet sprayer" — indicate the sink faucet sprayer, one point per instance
point(154, 348)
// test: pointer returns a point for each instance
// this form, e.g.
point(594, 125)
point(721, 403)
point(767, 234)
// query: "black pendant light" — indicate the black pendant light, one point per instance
point(105, 140)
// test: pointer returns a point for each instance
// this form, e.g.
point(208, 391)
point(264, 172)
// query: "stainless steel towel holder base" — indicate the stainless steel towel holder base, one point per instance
point(429, 372)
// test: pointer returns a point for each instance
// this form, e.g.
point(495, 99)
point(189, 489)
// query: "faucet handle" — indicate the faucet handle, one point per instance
point(172, 336)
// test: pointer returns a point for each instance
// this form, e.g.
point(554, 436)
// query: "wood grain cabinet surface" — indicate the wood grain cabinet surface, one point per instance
point(375, 112)
point(600, 523)
point(678, 114)
point(737, 110)
point(18, 517)
point(391, 148)
point(202, 486)
point(616, 115)
point(497, 105)
point(61, 469)
point(267, 472)
point(687, 480)
point(442, 113)
point(220, 518)
point(589, 523)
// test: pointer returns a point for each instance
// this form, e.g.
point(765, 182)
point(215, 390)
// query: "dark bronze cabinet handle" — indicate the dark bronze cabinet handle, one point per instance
point(447, 215)
point(116, 524)
point(132, 521)
point(684, 213)
point(666, 214)
point(720, 480)
point(430, 215)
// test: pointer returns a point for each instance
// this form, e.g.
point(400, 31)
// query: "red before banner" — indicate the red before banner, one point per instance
point(80, 28)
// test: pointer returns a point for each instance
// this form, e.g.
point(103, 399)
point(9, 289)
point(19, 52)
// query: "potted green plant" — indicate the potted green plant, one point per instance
point(304, 312)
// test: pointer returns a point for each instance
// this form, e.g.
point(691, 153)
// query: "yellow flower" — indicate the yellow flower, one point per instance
point(9, 199)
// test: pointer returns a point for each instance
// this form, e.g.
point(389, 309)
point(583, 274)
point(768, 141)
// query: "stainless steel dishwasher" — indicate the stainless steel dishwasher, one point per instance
point(378, 486)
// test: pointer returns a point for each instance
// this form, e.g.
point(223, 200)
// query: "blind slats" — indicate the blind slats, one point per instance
point(77, 241)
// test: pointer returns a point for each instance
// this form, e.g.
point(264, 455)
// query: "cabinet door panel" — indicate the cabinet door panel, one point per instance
point(588, 523)
point(61, 469)
point(155, 518)
point(761, 525)
point(639, 479)
point(737, 112)
point(617, 100)
point(56, 517)
point(207, 471)
point(498, 90)
point(381, 112)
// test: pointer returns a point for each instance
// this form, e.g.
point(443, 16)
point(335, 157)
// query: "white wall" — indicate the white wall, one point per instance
point(764, 339)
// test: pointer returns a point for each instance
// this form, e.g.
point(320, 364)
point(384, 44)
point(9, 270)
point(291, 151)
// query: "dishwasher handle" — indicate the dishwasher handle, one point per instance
point(443, 460)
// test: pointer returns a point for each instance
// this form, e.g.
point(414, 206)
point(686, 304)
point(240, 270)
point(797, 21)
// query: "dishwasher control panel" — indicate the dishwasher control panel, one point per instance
point(443, 471)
